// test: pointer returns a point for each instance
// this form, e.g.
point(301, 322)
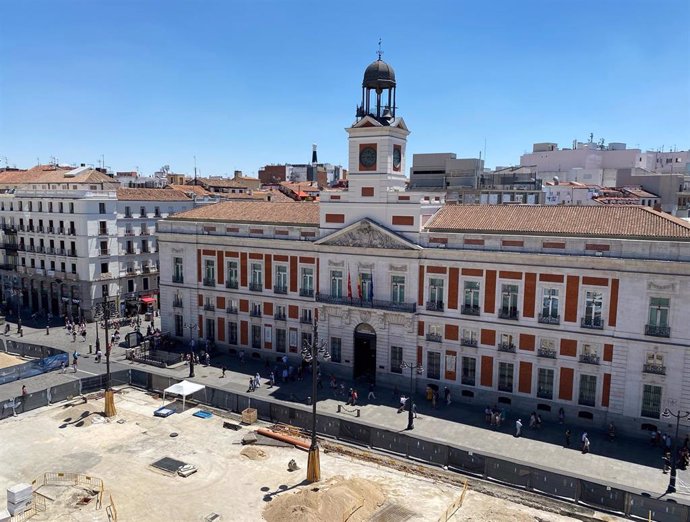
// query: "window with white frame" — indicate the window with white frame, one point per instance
point(469, 337)
point(307, 281)
point(469, 371)
point(398, 288)
point(545, 379)
point(471, 297)
point(505, 376)
point(588, 390)
point(651, 401)
point(433, 365)
point(436, 294)
point(659, 309)
point(209, 272)
point(509, 301)
point(550, 303)
point(232, 270)
point(590, 353)
point(281, 340)
point(256, 275)
point(594, 300)
point(336, 283)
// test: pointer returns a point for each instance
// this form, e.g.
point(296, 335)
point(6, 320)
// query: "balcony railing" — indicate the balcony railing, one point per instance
point(548, 353)
point(656, 369)
point(586, 401)
point(545, 394)
point(256, 287)
point(652, 413)
point(209, 281)
point(594, 323)
point(657, 330)
point(509, 313)
point(436, 338)
point(72, 253)
point(231, 310)
point(209, 307)
point(104, 252)
point(363, 303)
point(468, 342)
point(589, 358)
point(549, 319)
point(232, 283)
point(279, 289)
point(279, 316)
point(434, 306)
point(305, 319)
point(306, 292)
point(467, 381)
point(506, 347)
point(255, 312)
point(470, 310)
point(505, 388)
point(177, 279)
point(177, 303)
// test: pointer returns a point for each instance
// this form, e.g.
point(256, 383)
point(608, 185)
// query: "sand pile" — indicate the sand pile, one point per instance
point(336, 500)
point(254, 453)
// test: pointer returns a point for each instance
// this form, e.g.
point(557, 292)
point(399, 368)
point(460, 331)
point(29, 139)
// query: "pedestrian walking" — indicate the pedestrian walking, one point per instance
point(191, 365)
point(612, 432)
point(257, 380)
point(567, 438)
point(251, 385)
point(518, 427)
point(271, 380)
point(208, 359)
point(414, 409)
point(223, 369)
point(319, 384)
point(62, 367)
point(538, 421)
point(585, 443)
point(24, 392)
point(487, 415)
point(371, 395)
point(74, 336)
point(667, 462)
point(446, 395)
point(561, 415)
point(532, 420)
point(75, 356)
point(47, 330)
point(403, 401)
point(669, 442)
point(433, 399)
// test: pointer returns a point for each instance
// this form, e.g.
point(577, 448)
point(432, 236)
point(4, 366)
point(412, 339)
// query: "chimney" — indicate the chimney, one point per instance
point(238, 174)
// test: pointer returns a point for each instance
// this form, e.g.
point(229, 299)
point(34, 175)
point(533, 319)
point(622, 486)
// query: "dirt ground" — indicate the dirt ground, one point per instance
point(239, 483)
point(7, 360)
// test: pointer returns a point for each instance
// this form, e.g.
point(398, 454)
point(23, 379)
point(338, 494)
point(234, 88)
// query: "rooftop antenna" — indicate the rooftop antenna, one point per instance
point(194, 170)
point(484, 150)
point(379, 52)
point(102, 161)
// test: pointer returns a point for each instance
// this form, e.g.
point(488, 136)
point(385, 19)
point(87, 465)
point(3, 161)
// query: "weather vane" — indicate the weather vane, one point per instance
point(379, 52)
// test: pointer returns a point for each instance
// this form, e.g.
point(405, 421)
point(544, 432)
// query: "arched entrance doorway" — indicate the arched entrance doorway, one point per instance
point(365, 352)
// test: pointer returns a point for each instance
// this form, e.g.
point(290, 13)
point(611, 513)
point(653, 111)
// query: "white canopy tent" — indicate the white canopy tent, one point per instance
point(183, 389)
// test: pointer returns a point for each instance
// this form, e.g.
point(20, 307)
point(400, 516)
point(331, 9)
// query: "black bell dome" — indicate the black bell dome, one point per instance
point(379, 75)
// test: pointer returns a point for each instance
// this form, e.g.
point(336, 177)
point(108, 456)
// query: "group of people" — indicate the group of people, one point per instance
point(73, 328)
point(494, 416)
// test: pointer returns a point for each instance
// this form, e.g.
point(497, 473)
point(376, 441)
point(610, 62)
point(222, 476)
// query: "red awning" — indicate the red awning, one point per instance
point(147, 300)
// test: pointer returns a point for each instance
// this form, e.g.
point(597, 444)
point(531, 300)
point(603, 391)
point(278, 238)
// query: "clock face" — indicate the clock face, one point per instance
point(367, 157)
point(396, 158)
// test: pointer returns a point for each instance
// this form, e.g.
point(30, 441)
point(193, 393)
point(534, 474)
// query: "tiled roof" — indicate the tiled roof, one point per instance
point(55, 174)
point(237, 182)
point(264, 212)
point(560, 220)
point(147, 194)
point(196, 189)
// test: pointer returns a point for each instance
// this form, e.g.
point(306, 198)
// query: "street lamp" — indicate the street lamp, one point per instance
point(310, 353)
point(105, 312)
point(413, 368)
point(192, 327)
point(679, 415)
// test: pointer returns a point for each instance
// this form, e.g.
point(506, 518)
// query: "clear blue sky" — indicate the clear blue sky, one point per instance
point(242, 84)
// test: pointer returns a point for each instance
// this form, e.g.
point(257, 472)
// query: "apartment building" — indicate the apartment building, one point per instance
point(529, 307)
point(62, 240)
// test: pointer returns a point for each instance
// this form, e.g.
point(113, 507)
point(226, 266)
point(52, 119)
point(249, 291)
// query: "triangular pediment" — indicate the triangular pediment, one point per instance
point(367, 234)
point(400, 124)
point(367, 121)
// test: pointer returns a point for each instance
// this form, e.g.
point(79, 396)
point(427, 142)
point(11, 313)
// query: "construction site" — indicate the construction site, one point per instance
point(205, 464)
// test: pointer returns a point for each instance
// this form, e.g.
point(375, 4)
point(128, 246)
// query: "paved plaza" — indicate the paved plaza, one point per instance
point(630, 463)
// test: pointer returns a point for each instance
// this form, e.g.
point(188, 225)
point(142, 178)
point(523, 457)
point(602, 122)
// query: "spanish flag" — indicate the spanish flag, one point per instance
point(359, 285)
point(349, 285)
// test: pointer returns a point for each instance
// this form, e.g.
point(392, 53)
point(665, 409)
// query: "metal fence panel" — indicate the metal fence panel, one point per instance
point(31, 401)
point(352, 432)
point(64, 391)
point(598, 495)
point(140, 378)
point(243, 402)
point(467, 461)
point(554, 484)
point(390, 441)
point(7, 408)
point(92, 384)
point(120, 377)
point(428, 451)
point(508, 472)
point(327, 425)
point(280, 413)
point(160, 382)
point(661, 510)
point(300, 418)
point(263, 409)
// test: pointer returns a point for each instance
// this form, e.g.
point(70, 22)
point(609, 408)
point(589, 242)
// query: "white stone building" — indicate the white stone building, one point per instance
point(530, 307)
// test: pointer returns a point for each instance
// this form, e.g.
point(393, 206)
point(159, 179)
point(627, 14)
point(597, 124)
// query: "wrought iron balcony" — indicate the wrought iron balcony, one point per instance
point(209, 307)
point(279, 289)
point(470, 310)
point(509, 313)
point(363, 303)
point(589, 358)
point(468, 342)
point(549, 319)
point(656, 369)
point(280, 316)
point(434, 306)
point(72, 253)
point(436, 338)
point(546, 352)
point(505, 388)
point(657, 330)
point(467, 381)
point(306, 292)
point(305, 319)
point(650, 412)
point(586, 401)
point(256, 287)
point(231, 310)
point(177, 303)
point(177, 279)
point(545, 394)
point(506, 347)
point(232, 283)
point(255, 312)
point(208, 281)
point(594, 323)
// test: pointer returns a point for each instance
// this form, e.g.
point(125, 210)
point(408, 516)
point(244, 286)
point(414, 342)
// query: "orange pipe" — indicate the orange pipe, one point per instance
point(284, 438)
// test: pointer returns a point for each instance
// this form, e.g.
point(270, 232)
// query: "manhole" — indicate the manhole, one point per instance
point(213, 517)
point(392, 513)
point(168, 464)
